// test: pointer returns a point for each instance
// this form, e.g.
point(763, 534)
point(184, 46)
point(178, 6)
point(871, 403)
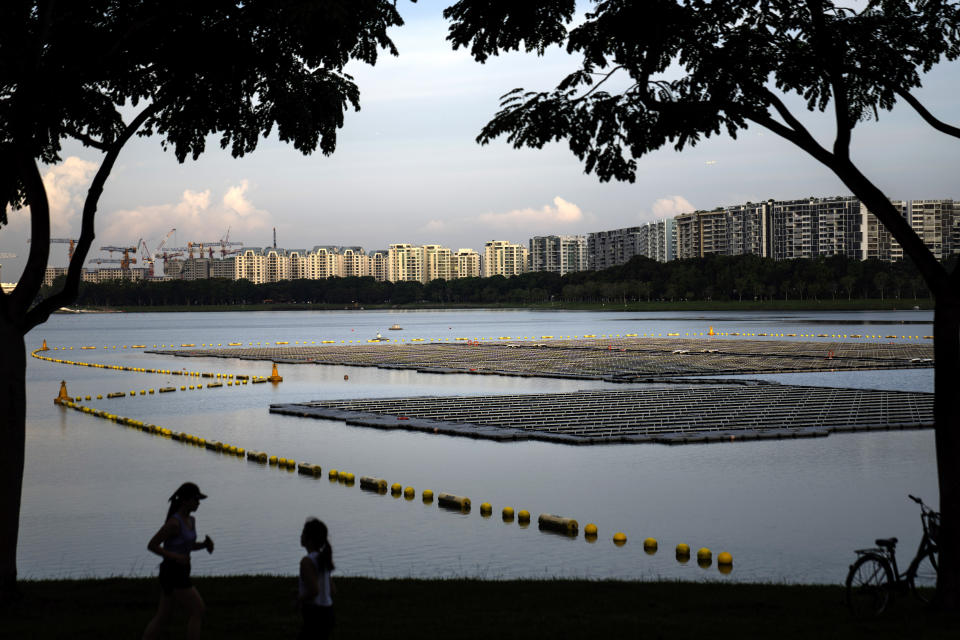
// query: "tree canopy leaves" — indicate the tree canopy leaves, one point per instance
point(696, 68)
point(237, 69)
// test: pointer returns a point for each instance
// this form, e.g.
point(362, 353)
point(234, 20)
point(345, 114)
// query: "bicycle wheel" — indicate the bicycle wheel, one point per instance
point(923, 579)
point(869, 586)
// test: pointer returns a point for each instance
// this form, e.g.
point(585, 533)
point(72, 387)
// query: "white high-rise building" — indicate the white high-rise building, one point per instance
point(354, 263)
point(405, 263)
point(437, 263)
point(466, 264)
point(503, 258)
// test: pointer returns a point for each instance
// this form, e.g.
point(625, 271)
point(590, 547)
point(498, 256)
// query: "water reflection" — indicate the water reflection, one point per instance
point(788, 510)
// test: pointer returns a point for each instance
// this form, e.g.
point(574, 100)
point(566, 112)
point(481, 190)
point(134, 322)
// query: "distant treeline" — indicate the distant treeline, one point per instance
point(710, 278)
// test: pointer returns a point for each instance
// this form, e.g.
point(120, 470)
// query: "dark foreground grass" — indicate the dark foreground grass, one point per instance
point(262, 607)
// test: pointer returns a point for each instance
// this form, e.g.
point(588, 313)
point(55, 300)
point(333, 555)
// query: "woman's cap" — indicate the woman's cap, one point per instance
point(187, 491)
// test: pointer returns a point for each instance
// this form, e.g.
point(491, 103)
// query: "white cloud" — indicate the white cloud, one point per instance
point(66, 185)
point(561, 213)
point(236, 199)
point(435, 225)
point(672, 206)
point(197, 218)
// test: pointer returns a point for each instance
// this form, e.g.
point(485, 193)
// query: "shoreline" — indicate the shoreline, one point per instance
point(693, 306)
point(262, 607)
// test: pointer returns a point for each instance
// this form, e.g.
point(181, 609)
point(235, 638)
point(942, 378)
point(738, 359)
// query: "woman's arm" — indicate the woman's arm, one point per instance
point(309, 577)
point(170, 529)
point(206, 544)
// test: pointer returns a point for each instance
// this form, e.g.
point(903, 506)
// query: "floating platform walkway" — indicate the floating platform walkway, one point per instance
point(611, 359)
point(668, 414)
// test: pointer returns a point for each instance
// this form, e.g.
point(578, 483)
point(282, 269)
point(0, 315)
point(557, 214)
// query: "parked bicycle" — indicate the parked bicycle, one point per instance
point(874, 578)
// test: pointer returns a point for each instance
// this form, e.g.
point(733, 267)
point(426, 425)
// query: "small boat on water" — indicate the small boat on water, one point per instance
point(396, 327)
point(379, 338)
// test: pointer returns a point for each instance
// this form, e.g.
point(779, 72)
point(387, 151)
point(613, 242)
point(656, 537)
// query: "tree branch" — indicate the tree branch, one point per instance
point(829, 58)
point(39, 313)
point(88, 141)
point(597, 86)
point(29, 283)
point(939, 125)
point(935, 275)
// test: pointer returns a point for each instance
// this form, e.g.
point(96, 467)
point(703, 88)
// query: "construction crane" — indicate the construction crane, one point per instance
point(126, 261)
point(70, 241)
point(163, 242)
point(145, 256)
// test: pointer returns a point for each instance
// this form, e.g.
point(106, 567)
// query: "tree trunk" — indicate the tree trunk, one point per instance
point(946, 334)
point(13, 416)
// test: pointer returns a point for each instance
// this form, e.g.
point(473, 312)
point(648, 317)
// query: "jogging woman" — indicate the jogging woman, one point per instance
point(174, 542)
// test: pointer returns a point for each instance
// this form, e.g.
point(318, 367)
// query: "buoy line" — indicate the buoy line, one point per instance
point(220, 379)
point(461, 504)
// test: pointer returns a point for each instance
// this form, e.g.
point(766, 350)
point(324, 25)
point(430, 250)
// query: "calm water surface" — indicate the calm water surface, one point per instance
point(788, 511)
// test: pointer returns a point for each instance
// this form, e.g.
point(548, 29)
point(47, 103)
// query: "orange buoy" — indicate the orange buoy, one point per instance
point(275, 376)
point(63, 396)
point(44, 347)
point(711, 332)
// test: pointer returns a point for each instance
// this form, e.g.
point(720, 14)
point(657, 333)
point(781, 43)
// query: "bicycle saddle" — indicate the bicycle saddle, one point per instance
point(888, 543)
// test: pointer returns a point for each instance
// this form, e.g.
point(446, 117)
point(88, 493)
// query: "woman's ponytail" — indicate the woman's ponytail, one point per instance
point(315, 533)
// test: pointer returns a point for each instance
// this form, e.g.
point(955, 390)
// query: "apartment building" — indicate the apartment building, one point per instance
point(700, 233)
point(405, 263)
point(815, 227)
point(437, 263)
point(558, 254)
point(503, 258)
point(354, 262)
point(466, 263)
point(609, 248)
point(747, 230)
point(378, 264)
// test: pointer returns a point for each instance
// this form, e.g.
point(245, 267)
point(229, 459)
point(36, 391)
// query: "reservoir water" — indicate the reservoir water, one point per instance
point(788, 511)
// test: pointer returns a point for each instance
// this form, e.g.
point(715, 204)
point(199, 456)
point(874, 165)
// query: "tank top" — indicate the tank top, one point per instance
point(323, 598)
point(184, 540)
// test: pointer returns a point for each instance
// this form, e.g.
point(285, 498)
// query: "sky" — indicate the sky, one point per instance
point(408, 169)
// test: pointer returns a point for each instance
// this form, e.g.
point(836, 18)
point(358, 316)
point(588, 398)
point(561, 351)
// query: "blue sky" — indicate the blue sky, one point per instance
point(407, 168)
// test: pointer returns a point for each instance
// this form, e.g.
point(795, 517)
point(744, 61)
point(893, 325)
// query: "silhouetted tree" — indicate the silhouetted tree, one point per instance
point(674, 71)
point(102, 71)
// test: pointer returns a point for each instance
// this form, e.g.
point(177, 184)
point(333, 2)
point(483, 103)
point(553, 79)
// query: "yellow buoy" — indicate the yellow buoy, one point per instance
point(486, 509)
point(650, 545)
point(590, 530)
point(619, 538)
point(683, 549)
point(396, 488)
point(427, 495)
point(704, 557)
point(523, 516)
point(724, 558)
point(273, 460)
point(508, 514)
point(409, 493)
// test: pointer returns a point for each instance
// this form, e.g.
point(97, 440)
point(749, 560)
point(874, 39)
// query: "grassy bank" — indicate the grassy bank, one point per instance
point(692, 306)
point(262, 607)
